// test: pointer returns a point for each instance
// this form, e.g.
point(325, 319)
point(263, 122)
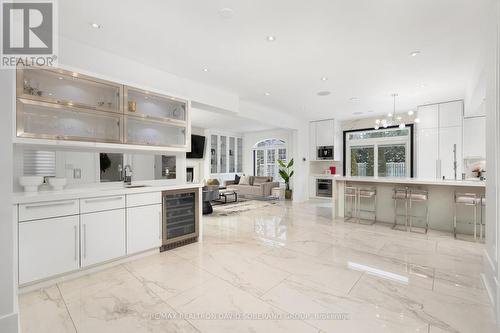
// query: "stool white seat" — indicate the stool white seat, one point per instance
point(469, 200)
point(420, 196)
point(367, 193)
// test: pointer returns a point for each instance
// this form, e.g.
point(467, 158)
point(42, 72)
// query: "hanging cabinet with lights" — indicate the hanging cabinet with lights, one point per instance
point(63, 106)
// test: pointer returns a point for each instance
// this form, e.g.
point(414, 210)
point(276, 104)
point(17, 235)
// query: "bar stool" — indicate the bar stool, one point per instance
point(418, 196)
point(370, 194)
point(400, 194)
point(351, 196)
point(467, 200)
point(482, 233)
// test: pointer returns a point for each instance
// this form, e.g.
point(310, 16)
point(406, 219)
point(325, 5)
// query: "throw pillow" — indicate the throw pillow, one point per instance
point(236, 179)
point(245, 180)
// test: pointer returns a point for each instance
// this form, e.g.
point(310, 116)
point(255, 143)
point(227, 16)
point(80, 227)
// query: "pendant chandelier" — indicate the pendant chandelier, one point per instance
point(394, 119)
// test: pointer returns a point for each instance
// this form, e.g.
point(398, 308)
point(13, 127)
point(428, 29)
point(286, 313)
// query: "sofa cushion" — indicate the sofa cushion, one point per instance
point(245, 180)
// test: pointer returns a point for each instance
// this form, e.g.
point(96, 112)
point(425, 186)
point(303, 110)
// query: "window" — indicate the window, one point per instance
point(383, 153)
point(39, 163)
point(266, 155)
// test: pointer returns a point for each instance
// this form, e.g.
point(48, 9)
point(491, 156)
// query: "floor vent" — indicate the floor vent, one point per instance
point(178, 244)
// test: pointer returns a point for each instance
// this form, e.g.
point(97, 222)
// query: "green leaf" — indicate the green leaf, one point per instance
point(291, 174)
point(290, 164)
point(281, 164)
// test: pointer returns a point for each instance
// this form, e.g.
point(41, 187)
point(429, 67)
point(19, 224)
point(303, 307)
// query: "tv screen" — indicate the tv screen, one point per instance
point(197, 147)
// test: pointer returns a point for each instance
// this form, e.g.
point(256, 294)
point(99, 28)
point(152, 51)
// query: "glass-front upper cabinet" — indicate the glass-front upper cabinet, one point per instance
point(47, 121)
point(155, 133)
point(151, 105)
point(213, 153)
point(223, 154)
point(68, 89)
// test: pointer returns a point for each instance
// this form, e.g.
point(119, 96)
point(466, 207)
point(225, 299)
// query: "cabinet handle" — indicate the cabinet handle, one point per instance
point(103, 199)
point(75, 229)
point(66, 203)
point(84, 240)
point(160, 223)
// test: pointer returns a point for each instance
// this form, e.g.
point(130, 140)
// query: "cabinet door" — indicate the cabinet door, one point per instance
point(48, 247)
point(103, 236)
point(448, 136)
point(451, 114)
point(429, 116)
point(427, 152)
point(325, 133)
point(313, 154)
point(475, 137)
point(144, 225)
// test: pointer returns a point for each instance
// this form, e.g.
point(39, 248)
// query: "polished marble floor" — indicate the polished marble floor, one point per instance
point(280, 267)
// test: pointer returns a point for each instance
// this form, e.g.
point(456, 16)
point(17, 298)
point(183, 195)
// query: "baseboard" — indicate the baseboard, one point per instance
point(491, 285)
point(9, 323)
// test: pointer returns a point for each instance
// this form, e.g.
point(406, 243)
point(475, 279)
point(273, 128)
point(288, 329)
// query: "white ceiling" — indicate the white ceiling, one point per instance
point(362, 46)
point(225, 122)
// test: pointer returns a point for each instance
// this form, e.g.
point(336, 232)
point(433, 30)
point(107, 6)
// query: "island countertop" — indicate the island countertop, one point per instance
point(416, 181)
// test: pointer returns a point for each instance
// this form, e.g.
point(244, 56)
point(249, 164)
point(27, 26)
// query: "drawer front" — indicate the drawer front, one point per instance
point(143, 199)
point(43, 210)
point(90, 205)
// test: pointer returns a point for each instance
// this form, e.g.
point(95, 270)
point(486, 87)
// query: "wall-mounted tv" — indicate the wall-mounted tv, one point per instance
point(197, 147)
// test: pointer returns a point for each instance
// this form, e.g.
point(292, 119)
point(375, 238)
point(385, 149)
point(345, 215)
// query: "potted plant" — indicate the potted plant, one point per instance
point(286, 174)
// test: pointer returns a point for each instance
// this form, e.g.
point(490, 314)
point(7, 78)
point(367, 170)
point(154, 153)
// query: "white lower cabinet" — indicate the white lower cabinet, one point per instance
point(143, 228)
point(48, 247)
point(102, 236)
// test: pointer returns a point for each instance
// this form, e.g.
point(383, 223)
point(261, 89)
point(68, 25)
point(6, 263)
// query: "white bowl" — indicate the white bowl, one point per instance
point(57, 183)
point(31, 183)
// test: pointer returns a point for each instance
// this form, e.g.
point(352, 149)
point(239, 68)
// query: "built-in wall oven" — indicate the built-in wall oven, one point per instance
point(324, 153)
point(181, 209)
point(323, 187)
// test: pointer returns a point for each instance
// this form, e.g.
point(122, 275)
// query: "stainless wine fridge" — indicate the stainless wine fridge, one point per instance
point(180, 217)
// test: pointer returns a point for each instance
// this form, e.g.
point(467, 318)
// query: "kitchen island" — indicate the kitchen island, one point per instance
point(441, 198)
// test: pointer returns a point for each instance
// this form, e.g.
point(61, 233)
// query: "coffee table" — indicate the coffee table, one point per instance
point(225, 193)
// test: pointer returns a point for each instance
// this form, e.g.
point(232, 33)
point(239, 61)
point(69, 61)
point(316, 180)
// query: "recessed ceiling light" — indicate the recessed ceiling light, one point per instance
point(95, 25)
point(205, 69)
point(271, 38)
point(324, 78)
point(357, 113)
point(324, 93)
point(423, 86)
point(414, 53)
point(411, 112)
point(353, 99)
point(226, 13)
point(267, 93)
point(389, 114)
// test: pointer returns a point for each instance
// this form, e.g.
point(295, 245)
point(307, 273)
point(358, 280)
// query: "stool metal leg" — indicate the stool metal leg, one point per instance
point(410, 216)
point(455, 220)
point(475, 221)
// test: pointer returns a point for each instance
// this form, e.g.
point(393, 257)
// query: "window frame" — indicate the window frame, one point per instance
point(410, 154)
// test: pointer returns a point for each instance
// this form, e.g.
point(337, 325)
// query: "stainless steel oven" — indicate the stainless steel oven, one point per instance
point(323, 187)
point(325, 153)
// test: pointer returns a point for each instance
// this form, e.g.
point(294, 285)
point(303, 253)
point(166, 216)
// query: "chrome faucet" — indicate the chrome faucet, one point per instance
point(127, 174)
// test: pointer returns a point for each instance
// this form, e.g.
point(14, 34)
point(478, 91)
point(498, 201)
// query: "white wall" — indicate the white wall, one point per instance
point(8, 231)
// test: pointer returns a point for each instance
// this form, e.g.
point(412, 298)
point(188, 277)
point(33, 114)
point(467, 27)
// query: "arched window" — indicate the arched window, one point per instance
point(266, 154)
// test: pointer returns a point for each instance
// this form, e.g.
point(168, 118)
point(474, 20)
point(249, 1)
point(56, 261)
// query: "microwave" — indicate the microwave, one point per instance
point(325, 153)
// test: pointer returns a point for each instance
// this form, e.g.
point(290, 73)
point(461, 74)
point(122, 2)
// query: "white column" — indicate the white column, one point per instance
point(8, 234)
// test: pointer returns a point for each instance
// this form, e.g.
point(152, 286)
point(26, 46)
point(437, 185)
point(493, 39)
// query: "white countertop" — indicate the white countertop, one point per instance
point(92, 192)
point(416, 181)
point(324, 175)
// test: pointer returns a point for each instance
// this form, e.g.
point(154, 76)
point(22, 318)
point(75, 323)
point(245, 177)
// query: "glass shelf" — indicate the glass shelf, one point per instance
point(46, 121)
point(69, 89)
point(149, 132)
point(152, 105)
